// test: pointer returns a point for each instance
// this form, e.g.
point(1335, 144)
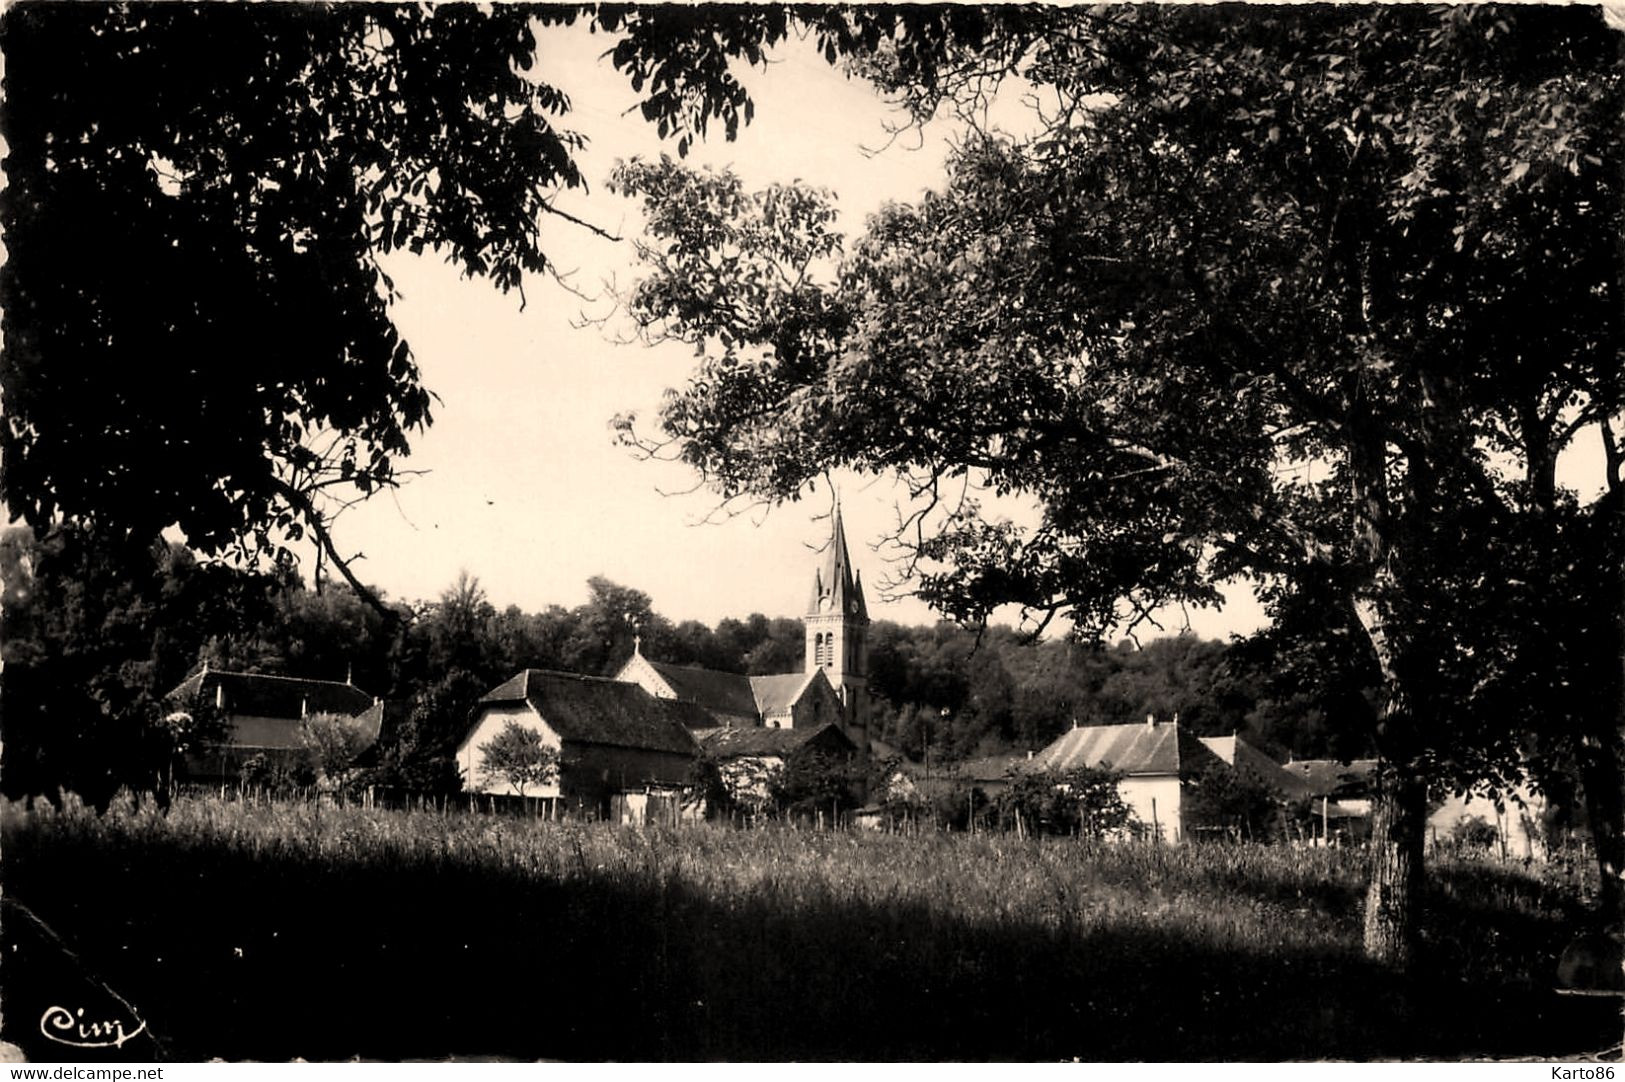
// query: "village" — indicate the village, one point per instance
point(629, 748)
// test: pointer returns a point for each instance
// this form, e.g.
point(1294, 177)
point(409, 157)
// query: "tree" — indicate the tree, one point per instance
point(1086, 801)
point(519, 756)
point(1314, 297)
point(332, 742)
point(1227, 797)
point(812, 781)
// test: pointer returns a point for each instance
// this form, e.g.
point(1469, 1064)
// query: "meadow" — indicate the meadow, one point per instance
point(297, 930)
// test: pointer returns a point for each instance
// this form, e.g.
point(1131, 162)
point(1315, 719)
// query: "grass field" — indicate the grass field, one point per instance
point(272, 932)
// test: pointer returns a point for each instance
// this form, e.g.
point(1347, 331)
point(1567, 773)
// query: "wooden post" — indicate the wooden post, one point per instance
point(1325, 838)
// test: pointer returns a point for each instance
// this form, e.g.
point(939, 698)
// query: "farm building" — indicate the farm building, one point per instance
point(833, 683)
point(748, 759)
point(1158, 759)
point(617, 743)
point(265, 718)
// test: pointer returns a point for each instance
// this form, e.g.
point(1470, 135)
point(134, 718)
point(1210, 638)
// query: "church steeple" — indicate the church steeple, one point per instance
point(837, 629)
point(836, 587)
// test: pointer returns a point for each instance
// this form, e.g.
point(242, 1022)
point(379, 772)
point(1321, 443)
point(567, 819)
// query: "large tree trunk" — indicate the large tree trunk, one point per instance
point(1605, 809)
point(1398, 818)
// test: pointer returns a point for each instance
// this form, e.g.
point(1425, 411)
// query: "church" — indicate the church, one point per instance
point(832, 687)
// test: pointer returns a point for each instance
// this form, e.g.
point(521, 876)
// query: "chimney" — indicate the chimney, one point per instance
point(1030, 750)
point(1176, 717)
point(304, 707)
point(349, 673)
point(1151, 721)
point(219, 696)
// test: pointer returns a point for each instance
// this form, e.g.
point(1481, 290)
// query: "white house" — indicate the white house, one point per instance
point(1158, 760)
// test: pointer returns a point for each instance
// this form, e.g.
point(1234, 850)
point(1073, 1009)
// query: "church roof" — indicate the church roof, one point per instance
point(721, 692)
point(836, 579)
point(776, 694)
point(595, 710)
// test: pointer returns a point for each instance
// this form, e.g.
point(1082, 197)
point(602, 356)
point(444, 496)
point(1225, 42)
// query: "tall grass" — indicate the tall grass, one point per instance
point(302, 930)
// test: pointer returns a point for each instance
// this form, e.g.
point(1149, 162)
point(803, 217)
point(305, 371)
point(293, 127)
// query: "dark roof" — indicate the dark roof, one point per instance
point(992, 767)
point(721, 692)
point(267, 696)
point(1133, 749)
point(776, 694)
point(1255, 764)
point(1328, 777)
point(595, 710)
point(736, 743)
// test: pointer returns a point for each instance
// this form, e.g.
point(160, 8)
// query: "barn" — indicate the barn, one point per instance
point(617, 744)
point(265, 717)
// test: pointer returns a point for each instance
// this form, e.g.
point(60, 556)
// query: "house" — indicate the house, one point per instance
point(1158, 761)
point(265, 718)
point(617, 743)
point(749, 759)
point(1258, 766)
point(832, 686)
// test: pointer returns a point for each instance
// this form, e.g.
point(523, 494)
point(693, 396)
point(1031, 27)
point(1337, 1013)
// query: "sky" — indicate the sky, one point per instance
point(525, 487)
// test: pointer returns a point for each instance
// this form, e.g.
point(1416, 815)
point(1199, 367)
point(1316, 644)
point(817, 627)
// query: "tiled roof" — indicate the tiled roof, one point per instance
point(1328, 777)
point(1132, 749)
point(776, 694)
point(734, 743)
point(266, 696)
point(595, 710)
point(1260, 767)
point(721, 692)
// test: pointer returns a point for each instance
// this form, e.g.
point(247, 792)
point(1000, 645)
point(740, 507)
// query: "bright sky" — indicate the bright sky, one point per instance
point(526, 489)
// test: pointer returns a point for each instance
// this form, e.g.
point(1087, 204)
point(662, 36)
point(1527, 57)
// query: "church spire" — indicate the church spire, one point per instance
point(836, 581)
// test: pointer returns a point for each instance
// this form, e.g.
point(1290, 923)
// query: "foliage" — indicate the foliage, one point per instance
point(519, 756)
point(1086, 801)
point(1473, 832)
point(812, 782)
point(1232, 799)
point(276, 774)
point(332, 742)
